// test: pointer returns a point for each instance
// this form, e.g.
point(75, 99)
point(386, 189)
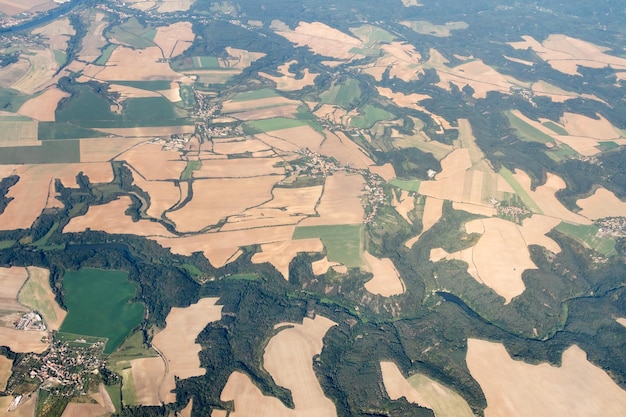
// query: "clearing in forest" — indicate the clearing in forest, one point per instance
point(602, 203)
point(386, 280)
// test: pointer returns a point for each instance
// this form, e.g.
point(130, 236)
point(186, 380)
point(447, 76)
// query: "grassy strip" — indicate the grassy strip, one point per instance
point(519, 190)
point(255, 95)
point(105, 54)
point(189, 169)
point(408, 185)
point(526, 131)
point(275, 123)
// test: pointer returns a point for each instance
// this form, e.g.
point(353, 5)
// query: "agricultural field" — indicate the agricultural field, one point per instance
point(37, 294)
point(98, 304)
point(343, 243)
point(427, 28)
point(589, 236)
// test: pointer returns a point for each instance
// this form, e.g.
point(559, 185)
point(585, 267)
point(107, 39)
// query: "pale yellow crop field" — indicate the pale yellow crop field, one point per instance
point(174, 39)
point(125, 92)
point(231, 106)
point(83, 410)
point(215, 199)
point(340, 202)
point(404, 61)
point(105, 149)
point(323, 40)
point(23, 341)
point(580, 125)
point(111, 218)
point(163, 194)
point(239, 168)
point(288, 111)
point(11, 280)
point(223, 247)
point(5, 371)
point(177, 342)
point(545, 198)
point(56, 33)
point(288, 81)
point(280, 254)
point(565, 54)
point(292, 139)
point(43, 106)
point(238, 145)
point(339, 146)
point(503, 273)
point(288, 357)
point(148, 375)
point(148, 132)
point(26, 408)
point(404, 205)
point(13, 7)
point(240, 58)
point(602, 203)
point(322, 266)
point(403, 100)
point(621, 321)
point(133, 65)
point(386, 171)
point(249, 401)
point(32, 191)
point(475, 209)
point(40, 73)
point(386, 280)
point(421, 390)
point(93, 41)
point(433, 210)
point(517, 389)
point(37, 294)
point(153, 163)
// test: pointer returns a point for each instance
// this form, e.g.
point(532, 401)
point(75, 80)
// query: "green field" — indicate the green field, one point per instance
point(526, 131)
point(562, 152)
point(50, 152)
point(373, 34)
point(205, 62)
point(555, 128)
point(344, 95)
point(132, 348)
point(35, 293)
point(607, 146)
point(408, 185)
point(528, 201)
point(152, 85)
point(276, 123)
point(54, 130)
point(11, 100)
point(86, 109)
point(98, 304)
point(370, 115)
point(106, 54)
point(14, 130)
point(255, 95)
point(343, 243)
point(586, 235)
point(133, 33)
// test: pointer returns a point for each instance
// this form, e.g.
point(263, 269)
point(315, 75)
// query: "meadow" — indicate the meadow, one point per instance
point(587, 236)
point(343, 243)
point(275, 123)
point(98, 303)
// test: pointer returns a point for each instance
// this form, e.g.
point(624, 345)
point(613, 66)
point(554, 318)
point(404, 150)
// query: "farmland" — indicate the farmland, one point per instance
point(343, 243)
point(98, 305)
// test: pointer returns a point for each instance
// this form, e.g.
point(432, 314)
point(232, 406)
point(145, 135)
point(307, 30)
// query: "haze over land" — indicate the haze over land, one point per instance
point(312, 208)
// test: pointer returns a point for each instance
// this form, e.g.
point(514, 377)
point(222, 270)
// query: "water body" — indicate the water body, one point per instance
point(45, 18)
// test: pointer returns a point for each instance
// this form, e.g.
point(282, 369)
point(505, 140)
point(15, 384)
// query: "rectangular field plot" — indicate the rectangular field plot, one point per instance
point(343, 243)
point(526, 131)
point(519, 190)
point(408, 185)
point(18, 131)
point(50, 152)
point(276, 123)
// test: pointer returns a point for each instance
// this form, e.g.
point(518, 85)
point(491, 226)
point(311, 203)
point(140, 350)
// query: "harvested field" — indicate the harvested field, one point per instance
point(322, 266)
point(37, 294)
point(297, 138)
point(10, 74)
point(280, 254)
point(401, 58)
point(433, 209)
point(420, 389)
point(22, 341)
point(402, 100)
point(235, 106)
point(111, 218)
point(163, 195)
point(565, 53)
point(215, 199)
point(323, 40)
point(579, 125)
point(503, 274)
point(168, 6)
point(148, 375)
point(134, 65)
point(404, 205)
point(288, 358)
point(238, 146)
point(487, 211)
point(154, 163)
point(83, 410)
point(148, 132)
point(5, 371)
point(40, 74)
point(105, 149)
point(288, 81)
point(340, 147)
point(42, 107)
point(25, 409)
point(93, 42)
point(386, 280)
point(602, 203)
point(544, 197)
point(13, 7)
point(174, 39)
point(386, 171)
point(240, 58)
point(340, 202)
point(15, 132)
point(56, 33)
point(514, 388)
point(177, 342)
point(239, 168)
point(249, 401)
point(621, 321)
point(125, 92)
point(11, 280)
point(31, 193)
point(222, 247)
point(267, 113)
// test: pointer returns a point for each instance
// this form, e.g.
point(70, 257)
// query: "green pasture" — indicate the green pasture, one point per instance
point(275, 123)
point(255, 95)
point(343, 243)
point(344, 95)
point(370, 115)
point(586, 235)
point(526, 131)
point(526, 199)
point(133, 33)
point(99, 304)
point(49, 152)
point(555, 128)
point(408, 185)
point(105, 54)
